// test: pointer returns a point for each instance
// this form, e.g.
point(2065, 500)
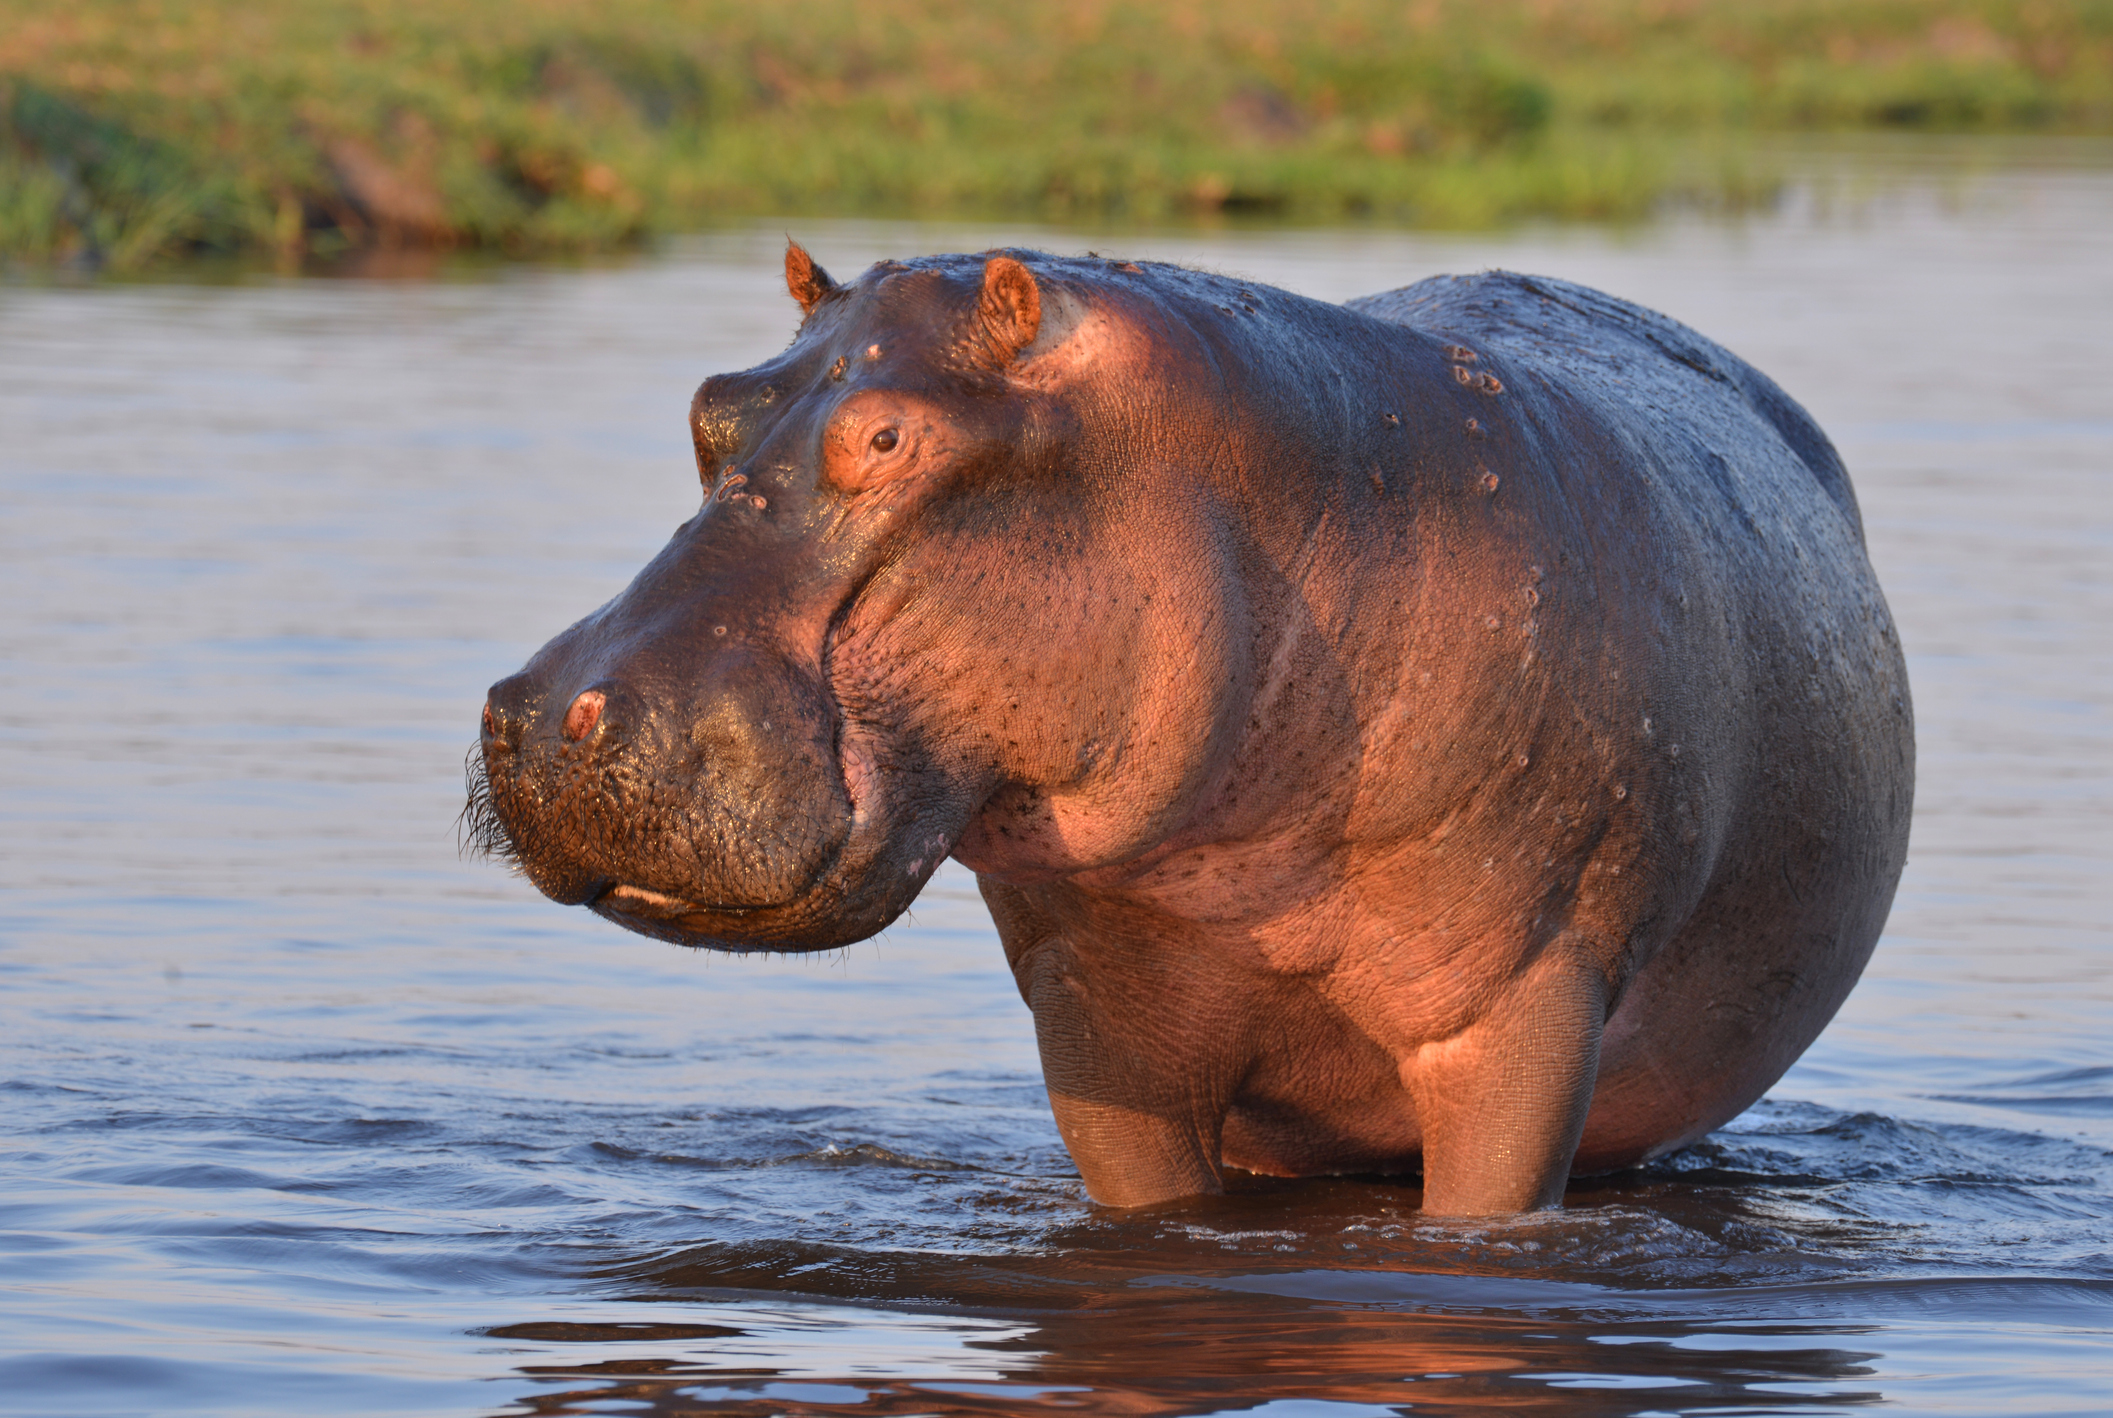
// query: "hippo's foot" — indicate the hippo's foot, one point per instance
point(1131, 1158)
point(1502, 1104)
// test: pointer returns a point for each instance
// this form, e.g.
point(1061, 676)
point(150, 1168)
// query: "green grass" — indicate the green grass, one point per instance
point(133, 132)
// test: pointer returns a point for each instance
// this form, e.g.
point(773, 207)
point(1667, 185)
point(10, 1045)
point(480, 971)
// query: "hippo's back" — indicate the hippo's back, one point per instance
point(1589, 339)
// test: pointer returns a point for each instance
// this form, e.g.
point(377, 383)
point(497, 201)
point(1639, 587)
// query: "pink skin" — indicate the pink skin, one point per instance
point(858, 778)
point(585, 712)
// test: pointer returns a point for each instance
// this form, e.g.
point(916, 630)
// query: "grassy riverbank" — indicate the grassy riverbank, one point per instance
point(134, 131)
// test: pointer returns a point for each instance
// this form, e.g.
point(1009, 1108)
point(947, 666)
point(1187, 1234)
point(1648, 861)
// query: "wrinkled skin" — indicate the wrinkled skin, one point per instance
point(1456, 731)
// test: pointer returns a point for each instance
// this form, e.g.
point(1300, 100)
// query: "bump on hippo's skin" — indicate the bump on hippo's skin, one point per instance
point(1455, 732)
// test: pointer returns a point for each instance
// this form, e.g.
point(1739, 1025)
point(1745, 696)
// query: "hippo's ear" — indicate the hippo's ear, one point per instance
point(807, 281)
point(1010, 311)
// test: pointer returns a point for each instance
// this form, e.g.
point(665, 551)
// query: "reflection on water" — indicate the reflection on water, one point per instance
point(303, 1114)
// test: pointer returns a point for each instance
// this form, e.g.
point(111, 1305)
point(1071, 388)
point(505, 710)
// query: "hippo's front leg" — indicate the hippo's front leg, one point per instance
point(1502, 1104)
point(1141, 1064)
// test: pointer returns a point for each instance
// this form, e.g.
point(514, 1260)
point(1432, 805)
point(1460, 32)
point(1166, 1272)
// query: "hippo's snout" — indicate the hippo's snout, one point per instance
point(668, 800)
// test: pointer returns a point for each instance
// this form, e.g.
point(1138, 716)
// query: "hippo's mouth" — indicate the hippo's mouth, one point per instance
point(622, 899)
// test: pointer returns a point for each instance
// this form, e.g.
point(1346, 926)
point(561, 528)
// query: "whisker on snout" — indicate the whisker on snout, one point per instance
point(478, 831)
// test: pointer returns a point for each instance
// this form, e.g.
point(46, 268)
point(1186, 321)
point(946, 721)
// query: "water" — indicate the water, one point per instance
point(299, 1113)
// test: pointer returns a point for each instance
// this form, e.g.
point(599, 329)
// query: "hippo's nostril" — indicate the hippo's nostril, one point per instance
point(508, 707)
point(585, 713)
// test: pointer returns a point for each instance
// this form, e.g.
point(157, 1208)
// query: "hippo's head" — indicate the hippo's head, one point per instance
point(916, 614)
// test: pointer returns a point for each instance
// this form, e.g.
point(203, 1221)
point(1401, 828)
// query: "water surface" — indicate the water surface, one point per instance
point(300, 1113)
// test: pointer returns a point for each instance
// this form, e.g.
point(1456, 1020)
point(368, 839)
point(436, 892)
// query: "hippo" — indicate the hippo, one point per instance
point(1458, 731)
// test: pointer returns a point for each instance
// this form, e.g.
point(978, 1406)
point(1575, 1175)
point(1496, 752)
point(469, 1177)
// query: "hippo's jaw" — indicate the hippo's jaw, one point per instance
point(795, 849)
point(669, 885)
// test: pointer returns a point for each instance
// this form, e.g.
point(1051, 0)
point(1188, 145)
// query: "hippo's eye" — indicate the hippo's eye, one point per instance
point(885, 440)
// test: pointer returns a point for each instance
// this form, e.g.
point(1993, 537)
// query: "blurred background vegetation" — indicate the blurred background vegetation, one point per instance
point(138, 131)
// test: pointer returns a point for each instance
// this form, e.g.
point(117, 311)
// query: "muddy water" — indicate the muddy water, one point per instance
point(299, 1113)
